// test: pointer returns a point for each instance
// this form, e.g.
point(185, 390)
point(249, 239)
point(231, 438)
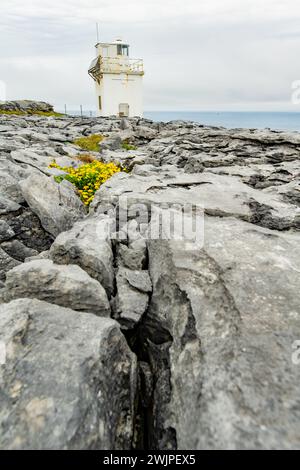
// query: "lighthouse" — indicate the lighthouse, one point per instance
point(118, 80)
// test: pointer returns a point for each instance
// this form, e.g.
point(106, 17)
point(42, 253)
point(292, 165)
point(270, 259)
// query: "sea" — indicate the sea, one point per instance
point(281, 121)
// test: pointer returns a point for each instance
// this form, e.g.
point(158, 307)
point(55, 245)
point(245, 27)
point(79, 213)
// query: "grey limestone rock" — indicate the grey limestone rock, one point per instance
point(87, 245)
point(68, 381)
point(6, 232)
point(6, 263)
point(68, 286)
point(26, 106)
point(133, 288)
point(223, 320)
point(56, 205)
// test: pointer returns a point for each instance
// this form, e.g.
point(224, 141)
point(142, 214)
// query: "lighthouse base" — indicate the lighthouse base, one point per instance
point(120, 95)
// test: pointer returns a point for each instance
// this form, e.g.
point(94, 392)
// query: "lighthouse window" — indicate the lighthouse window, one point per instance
point(122, 50)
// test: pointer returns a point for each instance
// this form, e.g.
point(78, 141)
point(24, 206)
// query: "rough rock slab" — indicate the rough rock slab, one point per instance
point(139, 280)
point(17, 250)
point(7, 206)
point(68, 381)
point(131, 302)
point(6, 232)
point(27, 229)
point(133, 256)
point(68, 286)
point(38, 160)
point(9, 186)
point(219, 195)
point(224, 319)
point(56, 205)
point(87, 246)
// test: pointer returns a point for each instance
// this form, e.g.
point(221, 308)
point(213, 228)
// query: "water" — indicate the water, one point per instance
point(285, 121)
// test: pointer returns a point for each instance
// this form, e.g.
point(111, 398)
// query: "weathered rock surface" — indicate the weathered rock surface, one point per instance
point(56, 205)
point(211, 318)
point(6, 263)
point(131, 302)
point(7, 206)
point(69, 379)
point(6, 232)
point(87, 246)
point(17, 250)
point(39, 161)
point(25, 227)
point(68, 286)
point(112, 143)
point(224, 319)
point(219, 196)
point(133, 256)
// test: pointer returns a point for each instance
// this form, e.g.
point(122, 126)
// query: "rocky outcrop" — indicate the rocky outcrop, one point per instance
point(26, 106)
point(198, 353)
point(68, 382)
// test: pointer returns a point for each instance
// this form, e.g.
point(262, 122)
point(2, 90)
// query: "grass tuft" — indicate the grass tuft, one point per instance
point(30, 113)
point(90, 143)
point(127, 146)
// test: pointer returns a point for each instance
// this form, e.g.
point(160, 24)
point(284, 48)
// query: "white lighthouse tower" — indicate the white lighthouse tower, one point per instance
point(118, 79)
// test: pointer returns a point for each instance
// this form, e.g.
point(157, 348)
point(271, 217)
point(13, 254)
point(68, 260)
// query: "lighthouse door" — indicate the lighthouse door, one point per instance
point(123, 109)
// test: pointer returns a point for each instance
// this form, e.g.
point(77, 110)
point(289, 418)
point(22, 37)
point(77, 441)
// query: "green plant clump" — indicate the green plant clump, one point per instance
point(46, 113)
point(90, 143)
point(127, 146)
point(30, 113)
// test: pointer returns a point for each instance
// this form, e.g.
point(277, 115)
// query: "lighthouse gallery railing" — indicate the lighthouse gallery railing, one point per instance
point(116, 65)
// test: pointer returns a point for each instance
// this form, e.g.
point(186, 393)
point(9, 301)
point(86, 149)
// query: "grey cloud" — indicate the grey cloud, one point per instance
point(217, 57)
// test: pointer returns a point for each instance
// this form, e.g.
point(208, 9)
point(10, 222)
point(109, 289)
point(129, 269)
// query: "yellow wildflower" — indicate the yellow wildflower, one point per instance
point(88, 177)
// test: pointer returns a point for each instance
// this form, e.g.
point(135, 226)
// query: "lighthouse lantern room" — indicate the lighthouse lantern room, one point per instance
point(118, 80)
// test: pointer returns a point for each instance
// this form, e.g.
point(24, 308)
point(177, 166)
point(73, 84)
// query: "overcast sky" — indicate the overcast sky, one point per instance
point(199, 54)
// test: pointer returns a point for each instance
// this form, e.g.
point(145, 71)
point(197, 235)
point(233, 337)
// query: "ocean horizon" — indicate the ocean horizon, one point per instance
point(280, 121)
